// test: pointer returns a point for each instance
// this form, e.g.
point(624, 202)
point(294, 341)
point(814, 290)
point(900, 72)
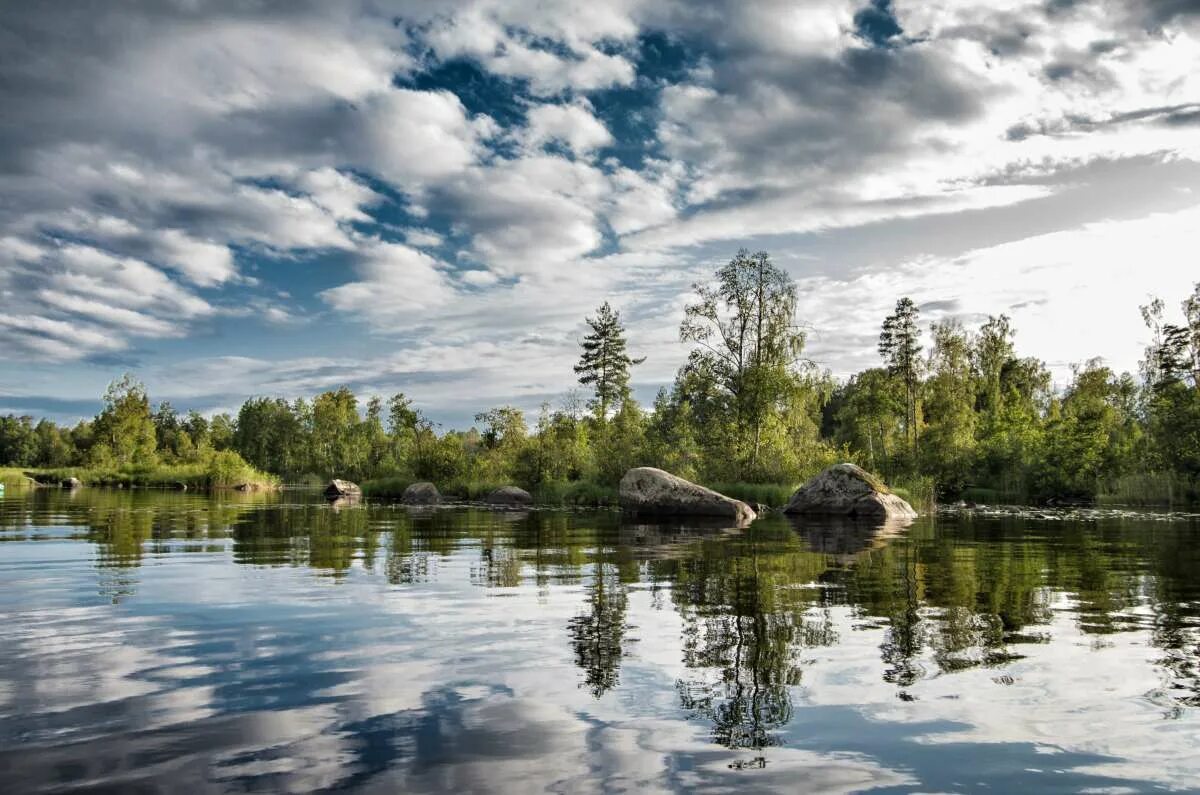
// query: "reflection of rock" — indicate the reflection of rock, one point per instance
point(349, 501)
point(668, 539)
point(844, 537)
point(848, 490)
point(510, 495)
point(421, 493)
point(652, 492)
point(342, 488)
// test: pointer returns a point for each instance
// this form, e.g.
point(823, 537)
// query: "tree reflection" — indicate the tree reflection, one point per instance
point(745, 621)
point(597, 634)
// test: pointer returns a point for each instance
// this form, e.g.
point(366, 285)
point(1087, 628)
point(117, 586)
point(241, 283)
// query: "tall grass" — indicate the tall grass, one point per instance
point(222, 470)
point(15, 478)
point(775, 495)
point(1158, 489)
point(919, 492)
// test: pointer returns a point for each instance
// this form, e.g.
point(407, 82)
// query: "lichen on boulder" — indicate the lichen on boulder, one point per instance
point(421, 493)
point(342, 488)
point(653, 492)
point(510, 495)
point(848, 490)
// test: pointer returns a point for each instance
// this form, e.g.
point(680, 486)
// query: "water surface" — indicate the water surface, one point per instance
point(173, 642)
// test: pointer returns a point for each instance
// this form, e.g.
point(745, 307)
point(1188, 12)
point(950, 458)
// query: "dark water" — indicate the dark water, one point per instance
point(173, 643)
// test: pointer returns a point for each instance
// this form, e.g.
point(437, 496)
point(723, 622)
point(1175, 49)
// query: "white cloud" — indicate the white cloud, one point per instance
point(398, 284)
point(573, 125)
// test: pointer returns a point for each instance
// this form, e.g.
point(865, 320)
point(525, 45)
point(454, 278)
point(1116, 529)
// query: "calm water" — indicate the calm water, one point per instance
point(164, 642)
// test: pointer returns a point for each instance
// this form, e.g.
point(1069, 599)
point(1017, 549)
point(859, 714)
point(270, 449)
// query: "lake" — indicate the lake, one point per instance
point(176, 642)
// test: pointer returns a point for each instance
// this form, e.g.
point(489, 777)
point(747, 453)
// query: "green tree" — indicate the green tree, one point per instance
point(866, 419)
point(17, 443)
point(748, 347)
point(900, 347)
point(337, 448)
point(604, 364)
point(949, 439)
point(125, 426)
point(271, 436)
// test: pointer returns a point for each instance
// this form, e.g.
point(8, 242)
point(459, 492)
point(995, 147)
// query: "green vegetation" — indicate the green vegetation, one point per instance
point(966, 419)
point(127, 445)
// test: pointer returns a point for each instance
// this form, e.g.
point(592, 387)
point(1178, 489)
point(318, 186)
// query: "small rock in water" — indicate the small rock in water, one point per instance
point(342, 488)
point(510, 495)
point(421, 493)
point(848, 490)
point(654, 492)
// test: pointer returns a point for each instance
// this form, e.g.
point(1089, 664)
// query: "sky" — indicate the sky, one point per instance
point(275, 198)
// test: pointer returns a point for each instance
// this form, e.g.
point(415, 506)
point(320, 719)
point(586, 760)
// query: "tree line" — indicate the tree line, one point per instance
point(949, 407)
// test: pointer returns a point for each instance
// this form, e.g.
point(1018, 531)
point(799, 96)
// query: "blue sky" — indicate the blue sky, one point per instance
point(232, 200)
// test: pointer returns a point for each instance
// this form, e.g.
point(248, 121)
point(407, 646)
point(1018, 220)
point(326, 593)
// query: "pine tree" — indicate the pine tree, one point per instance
point(604, 364)
point(900, 347)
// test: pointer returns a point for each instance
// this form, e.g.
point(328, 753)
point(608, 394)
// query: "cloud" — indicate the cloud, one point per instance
point(571, 125)
point(468, 179)
point(398, 285)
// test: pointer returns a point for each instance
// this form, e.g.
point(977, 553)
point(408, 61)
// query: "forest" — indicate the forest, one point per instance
point(950, 411)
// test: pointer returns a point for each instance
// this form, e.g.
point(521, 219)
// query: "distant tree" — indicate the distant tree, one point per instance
point(748, 344)
point(220, 431)
point(51, 449)
point(991, 351)
point(125, 429)
point(337, 448)
point(502, 427)
point(17, 442)
point(867, 417)
point(196, 427)
point(949, 441)
point(174, 444)
point(900, 347)
point(604, 364)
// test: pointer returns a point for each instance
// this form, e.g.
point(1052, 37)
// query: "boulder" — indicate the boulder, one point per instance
point(71, 483)
point(342, 488)
point(652, 492)
point(422, 493)
point(848, 490)
point(510, 495)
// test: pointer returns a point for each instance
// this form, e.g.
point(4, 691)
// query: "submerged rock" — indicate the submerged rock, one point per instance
point(510, 495)
point(653, 492)
point(848, 490)
point(342, 488)
point(421, 493)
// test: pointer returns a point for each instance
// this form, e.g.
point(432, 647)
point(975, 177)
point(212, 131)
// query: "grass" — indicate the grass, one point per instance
point(222, 471)
point(776, 495)
point(1155, 489)
point(13, 478)
point(919, 492)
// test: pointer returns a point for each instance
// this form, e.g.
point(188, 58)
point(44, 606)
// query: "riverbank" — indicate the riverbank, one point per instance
point(222, 471)
point(590, 494)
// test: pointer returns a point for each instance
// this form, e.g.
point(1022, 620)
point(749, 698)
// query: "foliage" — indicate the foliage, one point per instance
point(604, 364)
point(969, 419)
point(744, 376)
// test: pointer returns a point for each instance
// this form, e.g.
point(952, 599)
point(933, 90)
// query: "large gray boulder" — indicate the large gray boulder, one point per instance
point(342, 488)
point(510, 495)
point(421, 493)
point(652, 492)
point(848, 490)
